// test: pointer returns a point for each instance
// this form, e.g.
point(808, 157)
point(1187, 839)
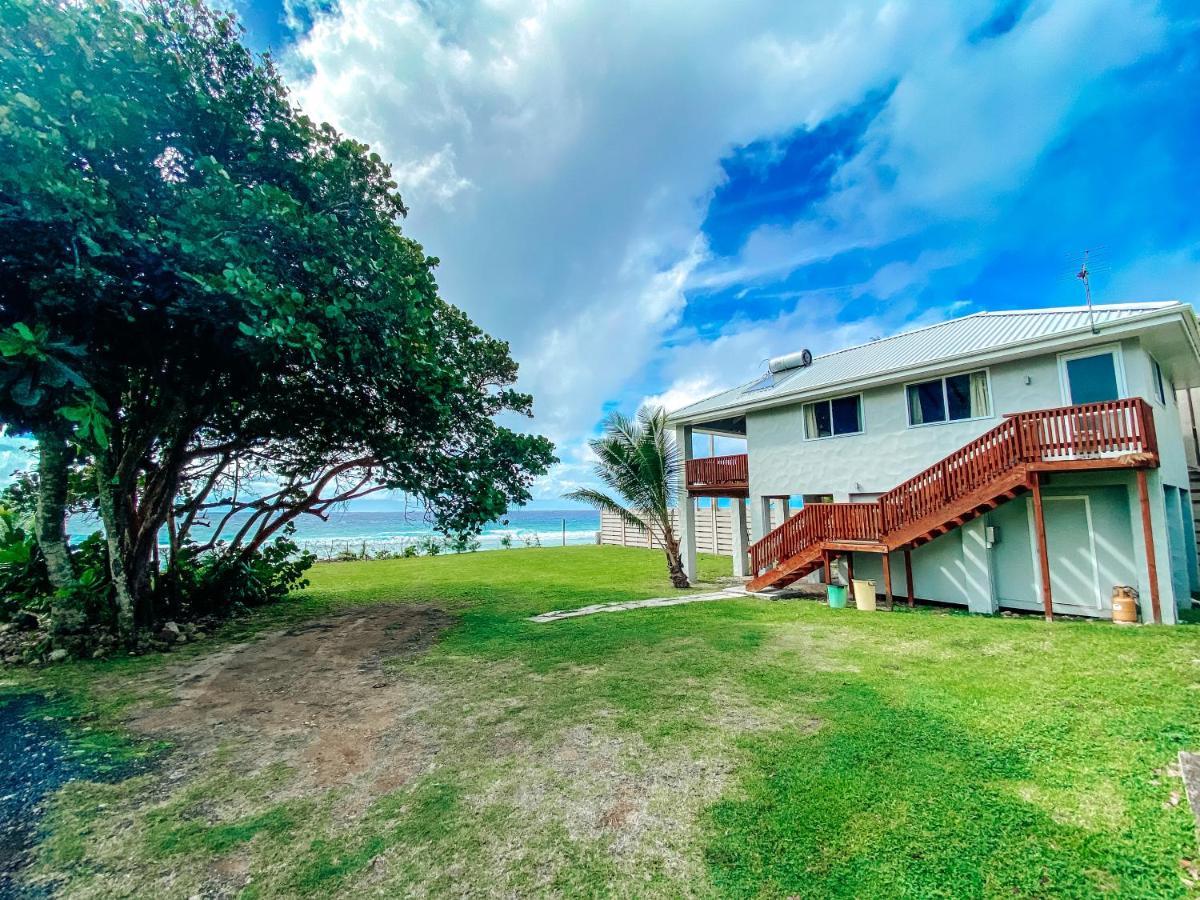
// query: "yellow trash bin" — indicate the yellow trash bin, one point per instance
point(864, 594)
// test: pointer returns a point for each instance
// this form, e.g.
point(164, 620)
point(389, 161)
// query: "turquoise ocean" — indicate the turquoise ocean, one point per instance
point(356, 531)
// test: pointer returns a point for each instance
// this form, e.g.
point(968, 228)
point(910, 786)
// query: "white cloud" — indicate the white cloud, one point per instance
point(964, 126)
point(558, 157)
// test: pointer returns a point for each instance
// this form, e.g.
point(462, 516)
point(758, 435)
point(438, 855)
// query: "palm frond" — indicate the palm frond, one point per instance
point(639, 462)
point(606, 503)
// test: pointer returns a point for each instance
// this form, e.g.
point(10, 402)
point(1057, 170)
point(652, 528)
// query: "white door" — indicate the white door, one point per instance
point(1090, 376)
point(1071, 543)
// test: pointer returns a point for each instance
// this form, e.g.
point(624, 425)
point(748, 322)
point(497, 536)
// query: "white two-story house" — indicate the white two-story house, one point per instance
point(1028, 460)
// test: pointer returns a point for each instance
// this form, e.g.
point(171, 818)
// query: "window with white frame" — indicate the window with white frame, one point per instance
point(1160, 390)
point(1095, 375)
point(829, 418)
point(949, 399)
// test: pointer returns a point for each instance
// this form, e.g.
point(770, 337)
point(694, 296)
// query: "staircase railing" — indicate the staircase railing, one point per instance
point(814, 523)
point(1086, 431)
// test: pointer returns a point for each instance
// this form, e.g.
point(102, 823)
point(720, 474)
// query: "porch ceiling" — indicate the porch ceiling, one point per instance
point(733, 426)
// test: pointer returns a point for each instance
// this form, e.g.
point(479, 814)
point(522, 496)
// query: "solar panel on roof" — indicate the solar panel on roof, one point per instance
point(763, 383)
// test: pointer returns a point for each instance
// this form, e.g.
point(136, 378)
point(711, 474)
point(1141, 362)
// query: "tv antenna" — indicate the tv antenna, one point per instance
point(1085, 275)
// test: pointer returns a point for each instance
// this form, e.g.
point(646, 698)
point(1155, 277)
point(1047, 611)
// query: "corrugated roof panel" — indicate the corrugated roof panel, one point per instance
point(976, 333)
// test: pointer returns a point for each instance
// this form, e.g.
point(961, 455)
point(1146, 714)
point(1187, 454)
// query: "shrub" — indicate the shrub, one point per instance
point(24, 582)
point(216, 582)
point(462, 544)
point(429, 545)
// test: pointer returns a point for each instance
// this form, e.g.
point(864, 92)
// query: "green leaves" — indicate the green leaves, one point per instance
point(20, 341)
point(190, 262)
point(91, 422)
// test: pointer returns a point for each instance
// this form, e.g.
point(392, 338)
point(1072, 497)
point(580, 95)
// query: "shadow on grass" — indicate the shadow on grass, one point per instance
point(890, 800)
point(38, 755)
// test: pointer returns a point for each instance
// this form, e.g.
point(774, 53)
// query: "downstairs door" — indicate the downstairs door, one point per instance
point(1071, 543)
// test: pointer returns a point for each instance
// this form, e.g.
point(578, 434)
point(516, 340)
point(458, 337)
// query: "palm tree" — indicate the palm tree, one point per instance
point(640, 462)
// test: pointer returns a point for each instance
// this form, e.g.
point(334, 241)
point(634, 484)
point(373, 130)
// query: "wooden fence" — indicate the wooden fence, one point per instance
point(714, 531)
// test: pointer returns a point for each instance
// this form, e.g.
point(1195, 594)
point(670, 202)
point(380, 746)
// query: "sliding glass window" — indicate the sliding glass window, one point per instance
point(830, 418)
point(949, 399)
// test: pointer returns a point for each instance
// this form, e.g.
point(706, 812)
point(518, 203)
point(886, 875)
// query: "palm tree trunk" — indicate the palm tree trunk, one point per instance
point(679, 577)
point(674, 559)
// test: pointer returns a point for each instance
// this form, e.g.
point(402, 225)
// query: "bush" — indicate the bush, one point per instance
point(216, 582)
point(462, 543)
point(24, 582)
point(429, 545)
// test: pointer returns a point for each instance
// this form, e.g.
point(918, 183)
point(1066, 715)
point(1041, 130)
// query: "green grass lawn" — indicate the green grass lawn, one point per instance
point(734, 748)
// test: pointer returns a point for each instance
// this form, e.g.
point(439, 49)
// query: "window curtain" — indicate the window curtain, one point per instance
point(915, 416)
point(979, 394)
point(810, 420)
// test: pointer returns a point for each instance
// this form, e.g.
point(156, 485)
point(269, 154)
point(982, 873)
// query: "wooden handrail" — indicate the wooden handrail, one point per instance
point(717, 471)
point(1085, 431)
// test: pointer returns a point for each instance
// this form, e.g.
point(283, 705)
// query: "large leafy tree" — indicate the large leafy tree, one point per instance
point(640, 462)
point(193, 276)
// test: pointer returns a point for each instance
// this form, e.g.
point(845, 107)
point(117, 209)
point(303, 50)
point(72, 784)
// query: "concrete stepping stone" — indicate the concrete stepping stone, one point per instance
point(732, 593)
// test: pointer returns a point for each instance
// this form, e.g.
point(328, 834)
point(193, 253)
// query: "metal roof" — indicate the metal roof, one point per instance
point(978, 333)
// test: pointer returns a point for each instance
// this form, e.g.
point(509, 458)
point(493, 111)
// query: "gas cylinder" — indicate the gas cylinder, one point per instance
point(1124, 605)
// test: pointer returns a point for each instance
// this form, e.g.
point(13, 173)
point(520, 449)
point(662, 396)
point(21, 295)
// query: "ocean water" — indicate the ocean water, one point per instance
point(354, 531)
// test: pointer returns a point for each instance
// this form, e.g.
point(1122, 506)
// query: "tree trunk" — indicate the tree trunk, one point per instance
point(679, 577)
point(54, 457)
point(118, 538)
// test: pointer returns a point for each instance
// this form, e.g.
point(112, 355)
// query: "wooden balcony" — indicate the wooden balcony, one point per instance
point(719, 476)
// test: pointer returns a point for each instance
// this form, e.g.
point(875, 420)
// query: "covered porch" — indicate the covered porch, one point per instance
point(716, 468)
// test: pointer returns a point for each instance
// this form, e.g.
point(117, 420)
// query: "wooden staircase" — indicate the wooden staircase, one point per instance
point(996, 467)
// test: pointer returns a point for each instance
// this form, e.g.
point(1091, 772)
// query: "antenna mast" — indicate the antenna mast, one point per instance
point(1084, 275)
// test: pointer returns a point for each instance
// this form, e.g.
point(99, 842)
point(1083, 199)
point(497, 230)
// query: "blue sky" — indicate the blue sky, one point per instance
point(647, 200)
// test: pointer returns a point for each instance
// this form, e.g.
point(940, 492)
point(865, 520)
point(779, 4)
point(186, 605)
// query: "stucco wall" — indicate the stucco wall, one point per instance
point(944, 569)
point(783, 462)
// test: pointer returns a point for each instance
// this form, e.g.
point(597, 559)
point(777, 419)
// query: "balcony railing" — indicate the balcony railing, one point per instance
point(718, 473)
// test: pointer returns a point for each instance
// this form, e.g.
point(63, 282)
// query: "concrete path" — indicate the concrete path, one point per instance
point(554, 615)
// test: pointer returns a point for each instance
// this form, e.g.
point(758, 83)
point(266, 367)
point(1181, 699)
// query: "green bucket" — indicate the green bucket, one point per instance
point(837, 596)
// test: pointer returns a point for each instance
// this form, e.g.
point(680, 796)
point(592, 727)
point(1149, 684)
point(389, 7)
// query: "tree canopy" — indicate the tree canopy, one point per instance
point(198, 282)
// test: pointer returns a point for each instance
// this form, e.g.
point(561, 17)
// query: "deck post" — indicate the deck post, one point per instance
point(825, 567)
point(687, 507)
point(740, 541)
point(908, 576)
point(887, 579)
point(1151, 556)
point(850, 569)
point(1039, 526)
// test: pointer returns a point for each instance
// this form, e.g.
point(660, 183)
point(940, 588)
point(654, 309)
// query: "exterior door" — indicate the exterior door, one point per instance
point(1074, 574)
point(1092, 376)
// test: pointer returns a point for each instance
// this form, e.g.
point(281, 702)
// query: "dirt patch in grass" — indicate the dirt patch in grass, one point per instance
point(315, 698)
point(336, 758)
